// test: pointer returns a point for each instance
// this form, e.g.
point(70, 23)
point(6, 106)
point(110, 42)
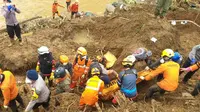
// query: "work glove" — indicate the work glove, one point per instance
point(6, 107)
point(162, 61)
point(11, 7)
point(193, 61)
point(142, 77)
point(147, 68)
point(37, 68)
point(83, 76)
point(51, 76)
point(188, 69)
point(34, 94)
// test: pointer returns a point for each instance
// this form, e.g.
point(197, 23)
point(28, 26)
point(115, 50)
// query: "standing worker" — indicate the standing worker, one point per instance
point(40, 92)
point(64, 62)
point(128, 77)
point(12, 25)
point(74, 9)
point(68, 2)
point(194, 57)
point(46, 64)
point(55, 9)
point(162, 7)
point(10, 92)
point(170, 71)
point(93, 90)
point(80, 66)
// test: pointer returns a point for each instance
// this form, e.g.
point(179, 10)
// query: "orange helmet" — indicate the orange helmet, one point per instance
point(82, 51)
point(64, 59)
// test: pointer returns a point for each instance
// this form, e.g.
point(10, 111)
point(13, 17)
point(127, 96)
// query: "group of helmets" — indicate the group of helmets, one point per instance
point(129, 60)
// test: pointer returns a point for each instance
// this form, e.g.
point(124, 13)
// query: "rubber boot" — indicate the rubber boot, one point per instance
point(11, 42)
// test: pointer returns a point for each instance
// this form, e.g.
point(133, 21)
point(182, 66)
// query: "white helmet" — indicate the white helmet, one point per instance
point(129, 60)
point(43, 49)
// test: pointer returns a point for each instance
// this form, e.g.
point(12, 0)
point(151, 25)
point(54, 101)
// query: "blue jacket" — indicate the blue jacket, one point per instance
point(127, 81)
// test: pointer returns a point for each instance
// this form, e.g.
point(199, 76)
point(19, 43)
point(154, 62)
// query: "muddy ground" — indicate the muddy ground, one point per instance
point(120, 34)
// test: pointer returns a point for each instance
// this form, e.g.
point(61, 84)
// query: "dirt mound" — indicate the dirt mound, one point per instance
point(119, 34)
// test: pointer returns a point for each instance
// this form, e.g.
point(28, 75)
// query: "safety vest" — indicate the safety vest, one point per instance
point(94, 83)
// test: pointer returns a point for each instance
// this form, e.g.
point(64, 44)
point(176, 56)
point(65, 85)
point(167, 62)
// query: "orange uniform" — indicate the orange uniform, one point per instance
point(55, 7)
point(170, 71)
point(74, 7)
point(195, 66)
point(80, 67)
point(9, 87)
point(94, 87)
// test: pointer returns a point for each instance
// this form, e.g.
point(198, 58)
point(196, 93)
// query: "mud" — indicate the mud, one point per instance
point(120, 34)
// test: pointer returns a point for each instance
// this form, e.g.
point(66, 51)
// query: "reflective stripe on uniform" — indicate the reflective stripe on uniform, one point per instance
point(94, 88)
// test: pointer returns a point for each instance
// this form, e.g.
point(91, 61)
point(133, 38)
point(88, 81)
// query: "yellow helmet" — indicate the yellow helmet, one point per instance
point(129, 60)
point(168, 53)
point(64, 59)
point(95, 71)
point(82, 51)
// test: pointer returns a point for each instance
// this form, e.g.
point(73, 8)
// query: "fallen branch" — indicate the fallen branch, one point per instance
point(33, 18)
point(180, 98)
point(115, 108)
point(70, 106)
point(187, 21)
point(98, 107)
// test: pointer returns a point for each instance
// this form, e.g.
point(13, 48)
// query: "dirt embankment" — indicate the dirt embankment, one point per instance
point(120, 34)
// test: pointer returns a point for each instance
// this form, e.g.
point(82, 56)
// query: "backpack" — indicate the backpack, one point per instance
point(45, 61)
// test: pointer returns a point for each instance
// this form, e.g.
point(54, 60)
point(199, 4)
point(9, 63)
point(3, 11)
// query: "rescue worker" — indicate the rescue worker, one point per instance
point(40, 92)
point(128, 77)
point(55, 9)
point(12, 25)
point(194, 56)
point(142, 54)
point(68, 2)
point(46, 64)
point(170, 71)
point(74, 9)
point(80, 66)
point(93, 90)
point(103, 72)
point(162, 7)
point(64, 62)
point(194, 67)
point(10, 91)
point(176, 58)
point(62, 77)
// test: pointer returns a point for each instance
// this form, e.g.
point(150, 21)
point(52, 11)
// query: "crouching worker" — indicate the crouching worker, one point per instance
point(40, 92)
point(170, 71)
point(128, 77)
point(9, 90)
point(142, 54)
point(192, 68)
point(93, 90)
point(64, 62)
point(62, 80)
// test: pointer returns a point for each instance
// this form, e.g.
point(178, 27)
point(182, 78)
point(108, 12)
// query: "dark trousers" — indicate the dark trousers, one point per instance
point(50, 81)
point(189, 74)
point(73, 13)
point(68, 4)
point(153, 89)
point(196, 89)
point(12, 103)
point(12, 30)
